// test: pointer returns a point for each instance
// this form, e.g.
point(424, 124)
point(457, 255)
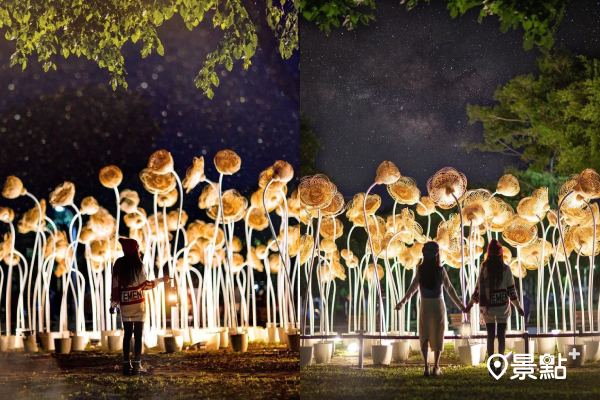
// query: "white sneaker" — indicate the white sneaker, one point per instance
point(437, 371)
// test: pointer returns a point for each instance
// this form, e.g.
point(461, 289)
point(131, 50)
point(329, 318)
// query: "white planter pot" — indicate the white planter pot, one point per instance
point(579, 359)
point(151, 338)
point(30, 344)
point(94, 335)
point(306, 355)
point(510, 342)
point(581, 340)
point(282, 336)
point(382, 354)
point(115, 343)
point(18, 341)
point(414, 344)
point(400, 350)
point(106, 334)
point(239, 342)
point(562, 341)
point(213, 340)
point(80, 340)
point(592, 350)
point(47, 339)
point(323, 352)
point(173, 343)
point(3, 343)
point(185, 333)
point(62, 345)
point(470, 355)
point(224, 339)
point(545, 345)
point(367, 346)
point(483, 350)
point(458, 343)
point(195, 335)
point(272, 332)
point(520, 346)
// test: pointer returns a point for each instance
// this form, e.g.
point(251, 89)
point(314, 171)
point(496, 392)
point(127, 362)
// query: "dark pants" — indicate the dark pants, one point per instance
point(136, 329)
point(492, 332)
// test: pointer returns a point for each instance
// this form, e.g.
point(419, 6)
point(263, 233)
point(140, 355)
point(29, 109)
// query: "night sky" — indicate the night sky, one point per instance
point(398, 89)
point(68, 124)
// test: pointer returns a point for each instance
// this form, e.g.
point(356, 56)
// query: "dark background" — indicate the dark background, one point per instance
point(398, 89)
point(68, 124)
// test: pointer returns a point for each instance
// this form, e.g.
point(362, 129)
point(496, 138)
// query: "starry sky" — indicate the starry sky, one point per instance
point(68, 124)
point(398, 89)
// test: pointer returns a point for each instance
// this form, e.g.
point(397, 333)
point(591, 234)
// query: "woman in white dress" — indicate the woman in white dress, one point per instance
point(429, 279)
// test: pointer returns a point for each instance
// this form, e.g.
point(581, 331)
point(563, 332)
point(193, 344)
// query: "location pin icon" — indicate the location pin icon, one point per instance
point(496, 364)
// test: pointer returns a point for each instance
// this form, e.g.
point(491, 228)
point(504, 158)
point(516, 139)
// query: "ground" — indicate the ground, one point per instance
point(264, 372)
point(343, 380)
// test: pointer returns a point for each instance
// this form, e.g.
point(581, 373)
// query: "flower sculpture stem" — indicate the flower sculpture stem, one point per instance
point(375, 275)
point(282, 252)
point(569, 275)
point(310, 273)
point(591, 279)
point(462, 254)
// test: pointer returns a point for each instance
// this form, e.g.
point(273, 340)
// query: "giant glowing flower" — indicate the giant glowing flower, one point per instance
point(508, 185)
point(63, 195)
point(588, 184)
point(209, 196)
point(134, 220)
point(446, 186)
point(161, 162)
point(89, 206)
point(370, 272)
point(7, 214)
point(306, 247)
point(387, 173)
point(159, 183)
point(257, 219)
point(234, 207)
point(404, 191)
point(111, 176)
point(13, 188)
point(426, 206)
point(194, 174)
point(519, 232)
point(316, 191)
point(102, 223)
point(129, 200)
point(167, 199)
point(172, 218)
point(227, 162)
point(331, 227)
point(30, 220)
point(282, 171)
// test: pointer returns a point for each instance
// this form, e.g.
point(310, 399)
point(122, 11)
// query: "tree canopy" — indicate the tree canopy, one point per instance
point(98, 29)
point(538, 18)
point(548, 120)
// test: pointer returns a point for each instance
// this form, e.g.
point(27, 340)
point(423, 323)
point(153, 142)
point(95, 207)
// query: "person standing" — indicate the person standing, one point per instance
point(494, 291)
point(129, 281)
point(429, 280)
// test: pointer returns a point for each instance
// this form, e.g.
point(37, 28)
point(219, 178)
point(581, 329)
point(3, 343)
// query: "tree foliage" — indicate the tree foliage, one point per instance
point(310, 145)
point(549, 121)
point(538, 18)
point(98, 29)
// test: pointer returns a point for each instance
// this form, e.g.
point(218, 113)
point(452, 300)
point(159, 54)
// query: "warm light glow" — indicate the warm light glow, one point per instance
point(353, 348)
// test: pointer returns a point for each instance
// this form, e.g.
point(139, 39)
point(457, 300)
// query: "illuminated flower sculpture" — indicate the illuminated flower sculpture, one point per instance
point(446, 189)
point(13, 188)
point(111, 176)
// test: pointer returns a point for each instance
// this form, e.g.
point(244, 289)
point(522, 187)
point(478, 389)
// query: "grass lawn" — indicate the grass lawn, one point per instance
point(264, 372)
point(406, 381)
